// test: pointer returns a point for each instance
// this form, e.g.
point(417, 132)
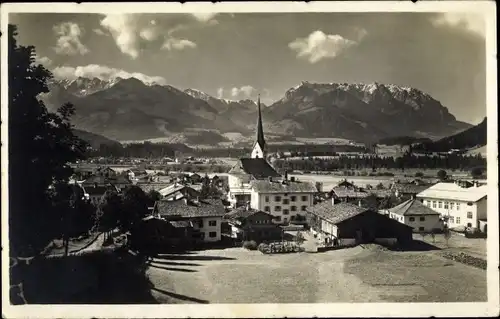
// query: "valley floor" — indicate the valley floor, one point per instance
point(236, 275)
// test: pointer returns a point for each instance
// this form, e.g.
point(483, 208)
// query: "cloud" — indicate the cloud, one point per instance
point(123, 28)
point(220, 93)
point(318, 46)
point(45, 61)
point(466, 21)
point(102, 72)
point(68, 42)
point(99, 32)
point(177, 44)
point(204, 16)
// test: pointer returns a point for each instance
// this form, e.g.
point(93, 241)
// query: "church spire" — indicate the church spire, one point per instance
point(260, 130)
point(260, 144)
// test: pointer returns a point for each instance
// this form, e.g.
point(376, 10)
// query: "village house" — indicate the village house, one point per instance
point(286, 200)
point(195, 178)
point(345, 223)
point(177, 191)
point(250, 224)
point(95, 193)
point(409, 189)
point(347, 192)
point(119, 181)
point(156, 233)
point(136, 173)
point(204, 215)
point(416, 215)
point(458, 206)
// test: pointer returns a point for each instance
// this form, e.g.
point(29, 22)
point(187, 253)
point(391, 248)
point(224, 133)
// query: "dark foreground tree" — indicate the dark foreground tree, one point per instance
point(41, 146)
point(135, 206)
point(109, 211)
point(441, 174)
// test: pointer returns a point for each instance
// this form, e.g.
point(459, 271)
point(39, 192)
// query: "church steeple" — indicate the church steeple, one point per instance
point(260, 143)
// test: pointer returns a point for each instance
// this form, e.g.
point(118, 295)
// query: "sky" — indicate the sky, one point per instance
point(240, 55)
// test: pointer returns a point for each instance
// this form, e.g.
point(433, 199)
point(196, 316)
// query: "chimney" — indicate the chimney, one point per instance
point(333, 200)
point(359, 203)
point(185, 200)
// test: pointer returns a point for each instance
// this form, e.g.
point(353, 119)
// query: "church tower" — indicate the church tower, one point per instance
point(259, 148)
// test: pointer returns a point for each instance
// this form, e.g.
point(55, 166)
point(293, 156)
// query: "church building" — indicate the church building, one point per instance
point(250, 168)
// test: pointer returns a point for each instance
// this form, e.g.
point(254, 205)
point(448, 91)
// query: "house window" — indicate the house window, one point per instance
point(285, 220)
point(277, 208)
point(277, 198)
point(433, 204)
point(212, 234)
point(292, 218)
point(458, 220)
point(286, 201)
point(469, 224)
point(267, 209)
point(469, 204)
point(293, 198)
point(412, 219)
point(303, 208)
point(451, 219)
point(469, 214)
point(440, 204)
point(266, 199)
point(422, 219)
point(445, 205)
point(286, 212)
point(421, 228)
point(293, 208)
point(458, 206)
point(452, 205)
point(212, 223)
point(304, 198)
point(278, 218)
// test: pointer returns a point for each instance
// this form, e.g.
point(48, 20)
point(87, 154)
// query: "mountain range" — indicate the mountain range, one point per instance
point(129, 109)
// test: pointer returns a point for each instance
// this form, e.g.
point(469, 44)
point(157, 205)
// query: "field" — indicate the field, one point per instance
point(236, 275)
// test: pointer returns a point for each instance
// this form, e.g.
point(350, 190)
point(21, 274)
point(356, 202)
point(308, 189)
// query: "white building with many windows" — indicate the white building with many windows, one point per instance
point(287, 200)
point(461, 206)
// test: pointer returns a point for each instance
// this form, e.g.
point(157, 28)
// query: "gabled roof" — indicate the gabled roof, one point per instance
point(102, 180)
point(412, 207)
point(173, 188)
point(258, 168)
point(179, 208)
point(452, 191)
point(343, 192)
point(336, 213)
point(265, 186)
point(243, 213)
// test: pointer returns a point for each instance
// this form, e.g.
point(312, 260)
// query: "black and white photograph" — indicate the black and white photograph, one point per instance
point(252, 159)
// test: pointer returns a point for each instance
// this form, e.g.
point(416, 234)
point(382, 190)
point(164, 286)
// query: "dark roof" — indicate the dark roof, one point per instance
point(179, 208)
point(336, 213)
point(264, 186)
point(412, 207)
point(257, 167)
point(102, 180)
point(243, 212)
point(181, 224)
point(343, 192)
point(408, 188)
point(99, 190)
point(149, 186)
point(345, 183)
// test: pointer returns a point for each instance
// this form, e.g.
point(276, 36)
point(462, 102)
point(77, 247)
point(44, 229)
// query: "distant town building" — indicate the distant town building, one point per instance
point(347, 192)
point(119, 181)
point(95, 193)
point(459, 206)
point(178, 191)
point(416, 215)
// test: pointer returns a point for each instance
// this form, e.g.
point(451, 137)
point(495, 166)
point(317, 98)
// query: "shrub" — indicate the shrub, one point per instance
point(250, 245)
point(442, 174)
point(419, 174)
point(264, 248)
point(477, 172)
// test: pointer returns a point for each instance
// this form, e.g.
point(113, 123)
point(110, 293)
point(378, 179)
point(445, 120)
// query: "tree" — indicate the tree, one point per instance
point(419, 174)
point(134, 206)
point(447, 236)
point(153, 196)
point(109, 211)
point(477, 172)
point(441, 174)
point(370, 202)
point(380, 186)
point(41, 147)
